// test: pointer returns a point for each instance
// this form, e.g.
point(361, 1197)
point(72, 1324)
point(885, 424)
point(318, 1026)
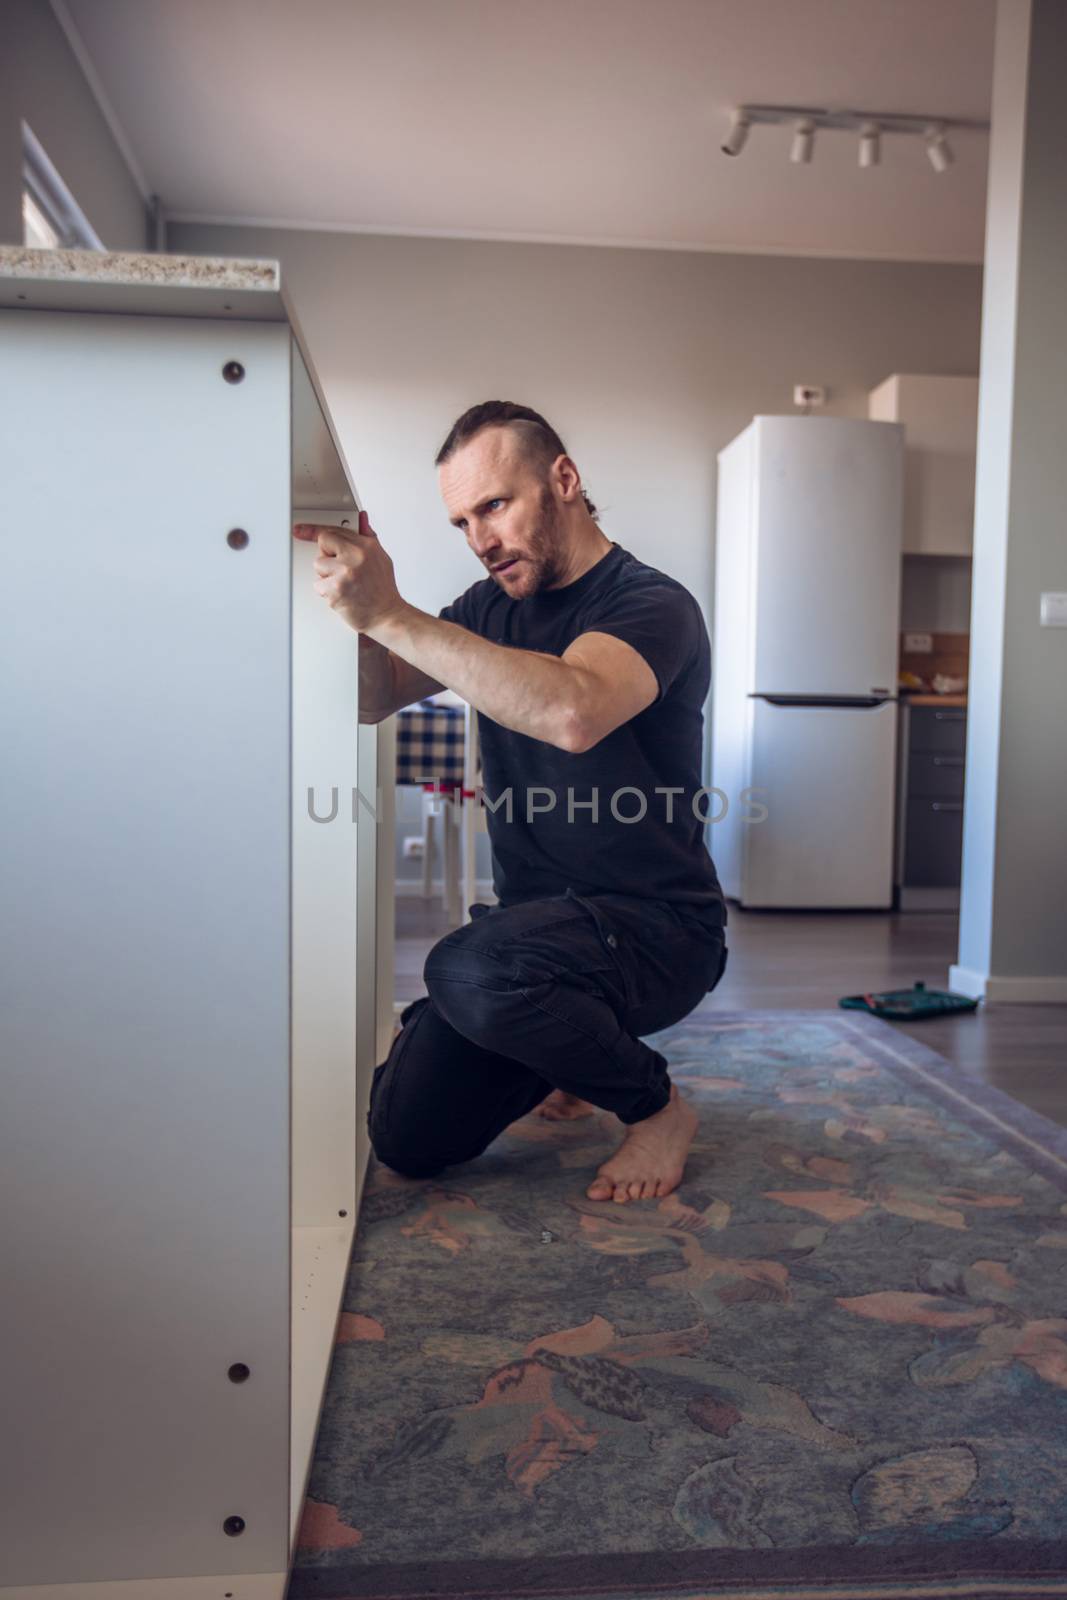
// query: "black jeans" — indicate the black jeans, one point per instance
point(542, 995)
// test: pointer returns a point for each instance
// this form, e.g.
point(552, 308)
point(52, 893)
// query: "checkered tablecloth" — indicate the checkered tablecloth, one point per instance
point(430, 745)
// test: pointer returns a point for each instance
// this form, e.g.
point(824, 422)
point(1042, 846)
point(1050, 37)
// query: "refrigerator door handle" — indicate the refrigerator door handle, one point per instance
point(841, 702)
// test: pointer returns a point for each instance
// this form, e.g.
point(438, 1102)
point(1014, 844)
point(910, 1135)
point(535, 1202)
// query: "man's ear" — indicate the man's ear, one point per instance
point(567, 478)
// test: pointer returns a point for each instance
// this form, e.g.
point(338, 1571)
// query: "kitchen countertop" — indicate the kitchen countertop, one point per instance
point(907, 699)
point(126, 281)
point(128, 266)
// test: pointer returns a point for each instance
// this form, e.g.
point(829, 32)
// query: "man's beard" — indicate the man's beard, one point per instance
point(544, 546)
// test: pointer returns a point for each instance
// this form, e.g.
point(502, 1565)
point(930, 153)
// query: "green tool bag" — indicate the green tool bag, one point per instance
point(909, 1005)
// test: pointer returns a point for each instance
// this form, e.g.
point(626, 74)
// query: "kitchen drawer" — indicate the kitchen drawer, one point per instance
point(934, 728)
point(935, 773)
point(933, 843)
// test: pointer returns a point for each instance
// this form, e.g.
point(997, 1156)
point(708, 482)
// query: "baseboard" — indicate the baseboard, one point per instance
point(1051, 990)
point(914, 898)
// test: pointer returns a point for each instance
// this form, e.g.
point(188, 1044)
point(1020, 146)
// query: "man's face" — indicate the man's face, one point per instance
point(507, 510)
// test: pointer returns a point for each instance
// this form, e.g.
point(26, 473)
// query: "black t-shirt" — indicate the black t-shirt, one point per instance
point(545, 835)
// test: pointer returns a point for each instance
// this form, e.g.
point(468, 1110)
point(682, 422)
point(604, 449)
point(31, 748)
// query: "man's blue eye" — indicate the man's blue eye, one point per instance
point(496, 502)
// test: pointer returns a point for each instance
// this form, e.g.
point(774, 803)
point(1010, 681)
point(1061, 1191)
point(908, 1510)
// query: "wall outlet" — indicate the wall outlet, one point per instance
point(413, 846)
point(809, 394)
point(918, 644)
point(1053, 610)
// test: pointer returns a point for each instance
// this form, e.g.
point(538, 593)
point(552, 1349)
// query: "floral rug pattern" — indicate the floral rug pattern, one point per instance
point(833, 1361)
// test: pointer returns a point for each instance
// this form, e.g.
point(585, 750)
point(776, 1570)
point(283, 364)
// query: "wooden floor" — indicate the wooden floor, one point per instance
point(798, 960)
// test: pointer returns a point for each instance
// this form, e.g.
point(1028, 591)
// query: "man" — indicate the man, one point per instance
point(589, 670)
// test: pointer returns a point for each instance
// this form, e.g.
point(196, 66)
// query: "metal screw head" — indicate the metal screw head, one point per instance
point(239, 1372)
point(237, 538)
point(233, 372)
point(612, 941)
point(233, 1526)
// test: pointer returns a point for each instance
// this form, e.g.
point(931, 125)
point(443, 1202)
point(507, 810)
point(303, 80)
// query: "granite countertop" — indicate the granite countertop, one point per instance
point(131, 282)
point(130, 267)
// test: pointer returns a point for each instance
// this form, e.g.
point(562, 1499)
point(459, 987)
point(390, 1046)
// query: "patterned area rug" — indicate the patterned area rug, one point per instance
point(833, 1363)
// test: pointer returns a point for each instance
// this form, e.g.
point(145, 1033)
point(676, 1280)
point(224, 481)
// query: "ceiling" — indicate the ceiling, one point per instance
point(595, 121)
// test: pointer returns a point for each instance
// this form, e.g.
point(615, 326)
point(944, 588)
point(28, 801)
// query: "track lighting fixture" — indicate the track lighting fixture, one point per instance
point(938, 148)
point(734, 142)
point(803, 140)
point(870, 145)
point(871, 125)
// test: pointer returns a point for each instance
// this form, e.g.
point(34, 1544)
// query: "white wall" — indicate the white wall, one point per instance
point(1013, 902)
point(42, 83)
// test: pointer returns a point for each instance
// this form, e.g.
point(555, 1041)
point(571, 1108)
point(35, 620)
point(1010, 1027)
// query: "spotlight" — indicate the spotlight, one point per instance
point(870, 145)
point(938, 148)
point(803, 140)
point(735, 139)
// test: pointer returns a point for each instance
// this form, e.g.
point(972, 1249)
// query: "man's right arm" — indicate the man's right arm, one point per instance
point(387, 683)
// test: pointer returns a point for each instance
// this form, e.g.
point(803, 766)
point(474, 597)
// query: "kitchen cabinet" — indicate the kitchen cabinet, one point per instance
point(929, 843)
point(195, 994)
point(940, 418)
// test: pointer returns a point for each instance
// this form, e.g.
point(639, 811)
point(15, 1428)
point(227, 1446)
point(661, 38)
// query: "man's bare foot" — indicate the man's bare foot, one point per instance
point(562, 1107)
point(651, 1159)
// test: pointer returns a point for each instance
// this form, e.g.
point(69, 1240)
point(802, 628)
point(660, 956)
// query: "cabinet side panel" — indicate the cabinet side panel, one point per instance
point(146, 862)
point(333, 820)
point(386, 876)
point(940, 415)
point(367, 947)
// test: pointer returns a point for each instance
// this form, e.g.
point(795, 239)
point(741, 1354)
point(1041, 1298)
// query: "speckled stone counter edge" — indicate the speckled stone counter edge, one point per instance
point(130, 267)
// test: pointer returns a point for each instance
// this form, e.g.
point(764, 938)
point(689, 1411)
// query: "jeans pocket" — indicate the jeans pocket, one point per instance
point(615, 938)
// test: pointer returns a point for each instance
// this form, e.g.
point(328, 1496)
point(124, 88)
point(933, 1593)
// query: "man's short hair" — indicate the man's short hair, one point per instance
point(540, 441)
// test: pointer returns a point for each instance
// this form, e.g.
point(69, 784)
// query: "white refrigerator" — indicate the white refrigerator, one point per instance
point(806, 617)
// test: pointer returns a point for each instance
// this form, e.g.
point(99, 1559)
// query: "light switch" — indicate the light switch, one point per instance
point(918, 644)
point(1054, 610)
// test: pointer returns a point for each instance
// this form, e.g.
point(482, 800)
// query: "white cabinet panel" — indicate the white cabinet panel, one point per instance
point(146, 985)
point(192, 994)
point(940, 418)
